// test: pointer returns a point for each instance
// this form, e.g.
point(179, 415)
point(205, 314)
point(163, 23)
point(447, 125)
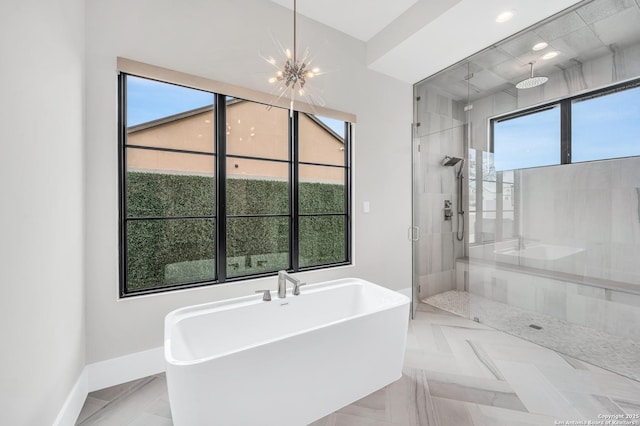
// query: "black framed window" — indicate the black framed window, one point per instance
point(598, 125)
point(322, 186)
point(606, 126)
point(215, 189)
point(527, 140)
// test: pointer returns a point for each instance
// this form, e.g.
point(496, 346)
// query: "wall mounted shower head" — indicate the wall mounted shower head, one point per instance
point(451, 161)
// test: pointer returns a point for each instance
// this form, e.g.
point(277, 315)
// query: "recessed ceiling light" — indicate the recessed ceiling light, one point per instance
point(504, 16)
point(549, 55)
point(539, 46)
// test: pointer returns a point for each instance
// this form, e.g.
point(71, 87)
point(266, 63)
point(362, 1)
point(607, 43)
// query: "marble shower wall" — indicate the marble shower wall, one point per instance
point(589, 206)
point(441, 132)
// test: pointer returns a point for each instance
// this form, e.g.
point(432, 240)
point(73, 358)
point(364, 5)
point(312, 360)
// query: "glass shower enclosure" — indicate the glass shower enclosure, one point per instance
point(551, 186)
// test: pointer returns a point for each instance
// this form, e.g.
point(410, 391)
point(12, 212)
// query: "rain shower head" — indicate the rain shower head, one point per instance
point(450, 161)
point(532, 81)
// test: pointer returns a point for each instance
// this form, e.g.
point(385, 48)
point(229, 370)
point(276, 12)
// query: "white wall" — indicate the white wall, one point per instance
point(182, 36)
point(42, 214)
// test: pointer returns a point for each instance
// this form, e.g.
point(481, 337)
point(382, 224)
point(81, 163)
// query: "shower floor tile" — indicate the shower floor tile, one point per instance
point(614, 353)
point(457, 372)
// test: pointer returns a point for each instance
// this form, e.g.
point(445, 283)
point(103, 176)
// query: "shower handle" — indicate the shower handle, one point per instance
point(413, 233)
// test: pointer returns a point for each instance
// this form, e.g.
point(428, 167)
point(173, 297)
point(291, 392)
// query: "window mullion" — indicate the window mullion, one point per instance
point(565, 131)
point(347, 191)
point(122, 175)
point(221, 187)
point(294, 229)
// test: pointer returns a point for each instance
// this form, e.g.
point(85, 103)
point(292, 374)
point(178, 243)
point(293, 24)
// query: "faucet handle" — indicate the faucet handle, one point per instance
point(296, 288)
point(266, 295)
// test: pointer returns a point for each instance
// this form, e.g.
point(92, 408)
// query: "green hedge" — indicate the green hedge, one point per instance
point(165, 252)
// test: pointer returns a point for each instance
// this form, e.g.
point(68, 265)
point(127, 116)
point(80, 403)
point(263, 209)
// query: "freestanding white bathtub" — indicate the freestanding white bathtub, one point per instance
point(285, 362)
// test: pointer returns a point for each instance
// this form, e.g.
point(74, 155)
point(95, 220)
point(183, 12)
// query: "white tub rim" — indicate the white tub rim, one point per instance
point(173, 317)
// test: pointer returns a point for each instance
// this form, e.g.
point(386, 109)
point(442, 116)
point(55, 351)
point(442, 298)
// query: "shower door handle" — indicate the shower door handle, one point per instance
point(413, 233)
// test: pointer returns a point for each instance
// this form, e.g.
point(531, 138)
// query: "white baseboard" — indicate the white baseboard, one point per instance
point(108, 373)
point(75, 400)
point(123, 369)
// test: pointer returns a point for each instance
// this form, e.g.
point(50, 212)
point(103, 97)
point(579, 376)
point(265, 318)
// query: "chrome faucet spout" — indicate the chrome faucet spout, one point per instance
point(283, 277)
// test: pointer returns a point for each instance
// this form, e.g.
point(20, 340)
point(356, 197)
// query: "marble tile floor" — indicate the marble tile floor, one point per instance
point(618, 354)
point(457, 373)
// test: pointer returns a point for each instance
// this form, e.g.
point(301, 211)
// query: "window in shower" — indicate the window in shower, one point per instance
point(492, 200)
point(531, 139)
point(598, 125)
point(606, 126)
point(215, 189)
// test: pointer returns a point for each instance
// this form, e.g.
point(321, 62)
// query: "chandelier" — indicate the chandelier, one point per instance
point(293, 74)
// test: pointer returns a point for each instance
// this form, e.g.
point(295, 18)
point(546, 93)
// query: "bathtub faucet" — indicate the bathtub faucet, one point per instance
point(283, 276)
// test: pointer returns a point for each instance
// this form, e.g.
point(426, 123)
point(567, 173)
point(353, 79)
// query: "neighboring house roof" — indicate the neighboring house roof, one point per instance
point(186, 114)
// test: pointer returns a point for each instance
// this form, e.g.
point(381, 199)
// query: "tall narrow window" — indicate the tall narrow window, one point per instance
point(258, 188)
point(169, 157)
point(322, 189)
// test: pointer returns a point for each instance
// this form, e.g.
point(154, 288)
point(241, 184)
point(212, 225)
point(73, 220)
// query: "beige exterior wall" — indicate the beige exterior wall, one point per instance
point(252, 130)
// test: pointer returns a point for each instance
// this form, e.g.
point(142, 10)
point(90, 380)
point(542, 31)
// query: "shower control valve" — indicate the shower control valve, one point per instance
point(448, 213)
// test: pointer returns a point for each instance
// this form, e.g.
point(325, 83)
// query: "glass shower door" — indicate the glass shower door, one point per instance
point(414, 231)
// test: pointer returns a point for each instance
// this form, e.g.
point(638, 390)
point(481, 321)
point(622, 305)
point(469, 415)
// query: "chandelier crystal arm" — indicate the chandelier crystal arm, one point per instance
point(293, 74)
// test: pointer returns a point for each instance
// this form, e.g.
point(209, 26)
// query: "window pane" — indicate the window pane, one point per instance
point(606, 127)
point(508, 202)
point(321, 140)
point(472, 194)
point(488, 226)
point(257, 244)
point(168, 116)
point(472, 163)
point(255, 131)
point(168, 252)
point(508, 230)
point(530, 140)
point(508, 176)
point(472, 227)
point(489, 196)
point(257, 187)
point(164, 183)
point(321, 240)
point(321, 189)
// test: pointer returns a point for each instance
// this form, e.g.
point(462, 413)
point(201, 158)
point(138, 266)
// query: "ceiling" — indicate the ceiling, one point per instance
point(587, 32)
point(413, 39)
point(347, 16)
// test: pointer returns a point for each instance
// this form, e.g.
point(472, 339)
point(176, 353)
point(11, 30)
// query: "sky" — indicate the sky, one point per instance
point(149, 100)
point(602, 127)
